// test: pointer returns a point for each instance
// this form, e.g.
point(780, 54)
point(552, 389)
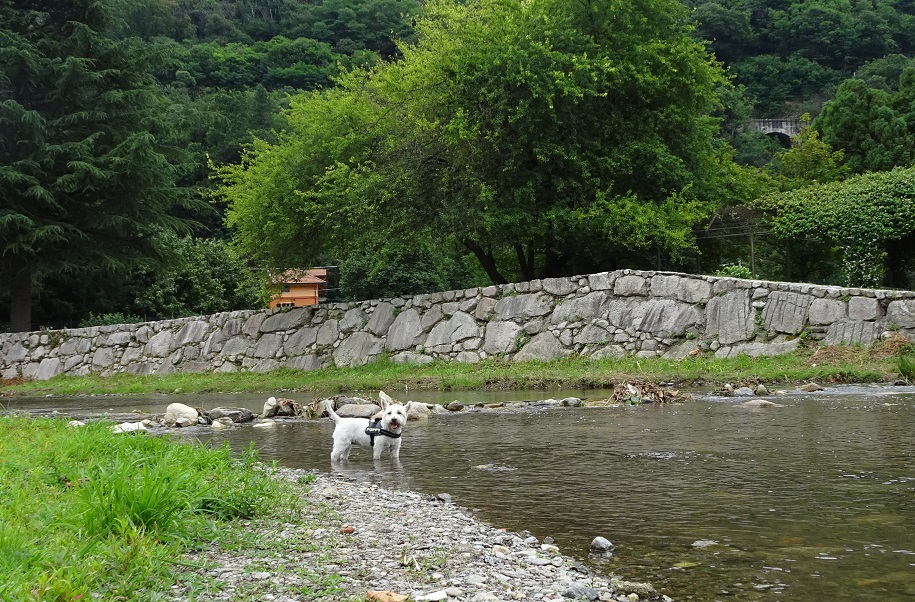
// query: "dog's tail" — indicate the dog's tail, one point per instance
point(329, 408)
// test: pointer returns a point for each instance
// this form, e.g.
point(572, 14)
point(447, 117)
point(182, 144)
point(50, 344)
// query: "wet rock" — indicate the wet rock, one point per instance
point(236, 415)
point(811, 387)
point(744, 392)
point(419, 411)
point(704, 543)
point(581, 592)
point(280, 407)
point(642, 590)
point(601, 544)
point(178, 412)
point(454, 406)
point(760, 403)
point(358, 410)
point(571, 402)
point(761, 390)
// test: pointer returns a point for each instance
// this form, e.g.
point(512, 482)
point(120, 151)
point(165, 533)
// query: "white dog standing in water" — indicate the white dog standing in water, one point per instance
point(379, 434)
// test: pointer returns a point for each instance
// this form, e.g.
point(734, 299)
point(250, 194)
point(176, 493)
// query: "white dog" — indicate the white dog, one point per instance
point(378, 434)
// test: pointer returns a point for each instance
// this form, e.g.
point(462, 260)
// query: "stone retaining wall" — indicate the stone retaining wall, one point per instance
point(611, 314)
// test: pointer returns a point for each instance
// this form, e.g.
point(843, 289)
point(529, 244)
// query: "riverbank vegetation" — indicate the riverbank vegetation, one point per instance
point(884, 362)
point(87, 514)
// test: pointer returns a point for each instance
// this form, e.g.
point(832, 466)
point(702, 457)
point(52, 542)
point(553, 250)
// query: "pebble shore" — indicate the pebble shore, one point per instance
point(358, 541)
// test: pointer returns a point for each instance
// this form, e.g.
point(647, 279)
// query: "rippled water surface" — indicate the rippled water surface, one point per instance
point(707, 500)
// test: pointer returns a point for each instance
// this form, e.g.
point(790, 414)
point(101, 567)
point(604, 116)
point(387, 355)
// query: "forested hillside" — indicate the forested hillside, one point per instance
point(156, 156)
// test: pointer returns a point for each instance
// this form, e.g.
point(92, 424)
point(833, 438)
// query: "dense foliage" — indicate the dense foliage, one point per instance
point(508, 130)
point(798, 51)
point(869, 218)
point(89, 172)
point(421, 145)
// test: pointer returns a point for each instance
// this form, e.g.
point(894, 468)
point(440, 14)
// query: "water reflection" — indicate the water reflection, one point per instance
point(708, 501)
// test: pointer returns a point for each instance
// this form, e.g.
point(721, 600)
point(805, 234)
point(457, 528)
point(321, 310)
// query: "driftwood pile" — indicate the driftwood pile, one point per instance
point(635, 392)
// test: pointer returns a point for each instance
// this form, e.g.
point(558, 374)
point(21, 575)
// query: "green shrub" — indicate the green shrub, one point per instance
point(734, 270)
point(905, 365)
point(109, 319)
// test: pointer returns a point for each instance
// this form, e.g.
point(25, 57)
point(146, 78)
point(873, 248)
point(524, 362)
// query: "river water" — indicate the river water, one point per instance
point(706, 500)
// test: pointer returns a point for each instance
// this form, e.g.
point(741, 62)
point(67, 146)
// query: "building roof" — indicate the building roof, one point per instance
point(300, 276)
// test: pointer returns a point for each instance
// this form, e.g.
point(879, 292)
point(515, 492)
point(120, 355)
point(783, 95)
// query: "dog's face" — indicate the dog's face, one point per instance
point(394, 416)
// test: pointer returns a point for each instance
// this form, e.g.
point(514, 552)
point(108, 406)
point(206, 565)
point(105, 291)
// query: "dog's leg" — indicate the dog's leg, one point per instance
point(395, 449)
point(340, 452)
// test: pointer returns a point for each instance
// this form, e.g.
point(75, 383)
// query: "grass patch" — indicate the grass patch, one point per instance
point(826, 364)
point(905, 364)
point(86, 514)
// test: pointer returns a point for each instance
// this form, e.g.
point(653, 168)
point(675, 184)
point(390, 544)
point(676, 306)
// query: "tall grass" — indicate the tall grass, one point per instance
point(88, 514)
point(905, 365)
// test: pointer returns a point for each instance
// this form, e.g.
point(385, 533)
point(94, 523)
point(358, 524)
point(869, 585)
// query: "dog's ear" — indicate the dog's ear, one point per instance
point(384, 400)
point(407, 407)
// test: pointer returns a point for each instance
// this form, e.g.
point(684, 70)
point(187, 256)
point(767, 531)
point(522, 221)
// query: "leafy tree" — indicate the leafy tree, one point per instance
point(862, 122)
point(773, 80)
point(391, 271)
point(87, 172)
point(884, 73)
point(870, 218)
point(536, 134)
point(204, 276)
point(808, 161)
point(726, 27)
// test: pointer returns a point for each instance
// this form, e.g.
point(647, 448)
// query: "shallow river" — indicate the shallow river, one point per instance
point(706, 500)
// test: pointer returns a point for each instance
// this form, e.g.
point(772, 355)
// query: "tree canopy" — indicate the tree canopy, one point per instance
point(87, 174)
point(541, 137)
point(870, 218)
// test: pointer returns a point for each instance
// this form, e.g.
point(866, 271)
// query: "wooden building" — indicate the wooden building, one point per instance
point(298, 288)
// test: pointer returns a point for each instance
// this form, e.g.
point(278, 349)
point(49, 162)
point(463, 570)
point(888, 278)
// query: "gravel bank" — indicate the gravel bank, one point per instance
point(352, 538)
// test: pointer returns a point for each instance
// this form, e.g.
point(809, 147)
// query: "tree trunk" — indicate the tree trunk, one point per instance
point(21, 301)
point(525, 262)
point(487, 261)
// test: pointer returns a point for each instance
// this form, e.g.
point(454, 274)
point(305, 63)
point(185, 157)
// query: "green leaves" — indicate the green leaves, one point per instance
point(861, 215)
point(502, 127)
point(80, 134)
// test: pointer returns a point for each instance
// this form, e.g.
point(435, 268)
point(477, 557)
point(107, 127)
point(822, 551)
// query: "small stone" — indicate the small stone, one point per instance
point(500, 550)
point(454, 406)
point(811, 387)
point(539, 561)
point(601, 544)
point(580, 592)
point(347, 529)
point(433, 597)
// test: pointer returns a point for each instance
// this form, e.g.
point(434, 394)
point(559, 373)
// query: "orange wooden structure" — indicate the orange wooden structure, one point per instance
point(299, 288)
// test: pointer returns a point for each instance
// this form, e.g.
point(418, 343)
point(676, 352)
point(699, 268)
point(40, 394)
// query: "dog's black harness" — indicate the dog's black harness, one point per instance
point(374, 430)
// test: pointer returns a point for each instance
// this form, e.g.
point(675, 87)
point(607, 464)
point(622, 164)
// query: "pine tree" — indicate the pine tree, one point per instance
point(87, 172)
